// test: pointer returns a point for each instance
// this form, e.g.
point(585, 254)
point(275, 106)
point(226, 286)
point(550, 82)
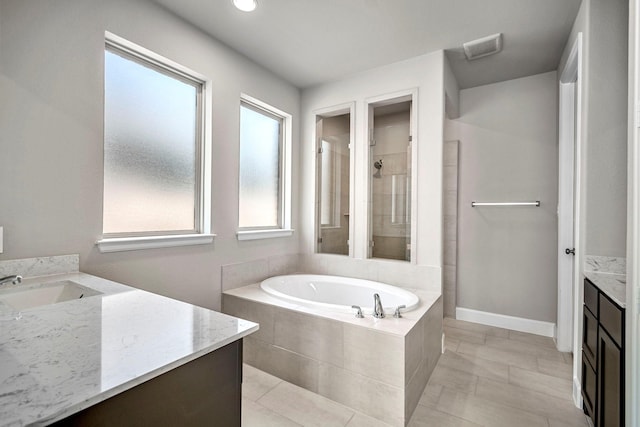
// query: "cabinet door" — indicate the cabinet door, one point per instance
point(588, 388)
point(589, 336)
point(610, 383)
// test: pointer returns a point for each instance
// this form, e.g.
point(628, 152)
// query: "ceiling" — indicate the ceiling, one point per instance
point(308, 42)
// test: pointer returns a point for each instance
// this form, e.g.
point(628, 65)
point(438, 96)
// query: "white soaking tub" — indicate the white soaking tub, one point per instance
point(338, 294)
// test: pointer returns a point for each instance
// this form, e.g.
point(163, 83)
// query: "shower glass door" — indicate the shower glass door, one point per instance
point(333, 169)
point(390, 182)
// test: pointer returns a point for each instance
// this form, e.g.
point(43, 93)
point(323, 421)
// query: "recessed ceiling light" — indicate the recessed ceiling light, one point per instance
point(245, 5)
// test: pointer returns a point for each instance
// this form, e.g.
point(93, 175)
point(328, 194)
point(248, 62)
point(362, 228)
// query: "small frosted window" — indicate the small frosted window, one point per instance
point(260, 136)
point(150, 148)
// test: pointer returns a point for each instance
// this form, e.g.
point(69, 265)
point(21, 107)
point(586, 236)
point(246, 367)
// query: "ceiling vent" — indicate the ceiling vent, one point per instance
point(483, 47)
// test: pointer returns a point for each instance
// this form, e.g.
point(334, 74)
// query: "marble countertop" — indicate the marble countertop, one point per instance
point(58, 359)
point(613, 285)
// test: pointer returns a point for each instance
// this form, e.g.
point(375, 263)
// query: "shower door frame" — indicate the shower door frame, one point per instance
point(336, 110)
point(365, 248)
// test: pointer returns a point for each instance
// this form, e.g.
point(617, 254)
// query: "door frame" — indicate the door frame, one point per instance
point(569, 322)
point(632, 320)
point(366, 172)
point(336, 110)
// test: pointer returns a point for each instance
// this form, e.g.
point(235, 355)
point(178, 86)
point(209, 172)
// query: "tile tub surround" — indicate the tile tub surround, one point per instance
point(397, 273)
point(376, 366)
point(245, 273)
point(59, 359)
point(42, 266)
point(450, 229)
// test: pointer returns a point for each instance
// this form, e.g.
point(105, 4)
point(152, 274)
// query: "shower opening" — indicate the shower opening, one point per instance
point(333, 159)
point(390, 180)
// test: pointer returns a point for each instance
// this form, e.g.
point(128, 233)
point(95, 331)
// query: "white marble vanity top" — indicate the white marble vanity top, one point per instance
point(58, 359)
point(613, 285)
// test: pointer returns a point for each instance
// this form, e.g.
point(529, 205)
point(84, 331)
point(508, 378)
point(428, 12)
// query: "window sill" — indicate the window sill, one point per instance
point(152, 242)
point(263, 234)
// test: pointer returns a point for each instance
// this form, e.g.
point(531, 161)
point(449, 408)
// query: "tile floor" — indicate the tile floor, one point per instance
point(486, 377)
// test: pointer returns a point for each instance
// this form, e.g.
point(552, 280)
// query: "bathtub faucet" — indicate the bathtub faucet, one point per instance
point(378, 312)
point(13, 279)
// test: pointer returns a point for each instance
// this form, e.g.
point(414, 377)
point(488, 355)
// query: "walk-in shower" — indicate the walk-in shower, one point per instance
point(390, 186)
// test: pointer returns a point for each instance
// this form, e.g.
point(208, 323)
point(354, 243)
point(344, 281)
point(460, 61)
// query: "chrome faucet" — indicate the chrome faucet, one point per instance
point(378, 312)
point(13, 279)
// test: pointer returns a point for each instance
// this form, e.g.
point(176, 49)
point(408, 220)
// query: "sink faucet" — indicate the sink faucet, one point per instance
point(378, 312)
point(13, 279)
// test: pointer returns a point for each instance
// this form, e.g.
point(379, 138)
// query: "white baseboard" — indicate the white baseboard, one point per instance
point(577, 393)
point(538, 327)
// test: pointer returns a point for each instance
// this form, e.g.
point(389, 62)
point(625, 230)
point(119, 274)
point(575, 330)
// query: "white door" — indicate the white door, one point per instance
point(566, 246)
point(569, 328)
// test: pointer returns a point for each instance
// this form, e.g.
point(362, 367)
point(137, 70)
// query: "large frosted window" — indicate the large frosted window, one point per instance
point(260, 168)
point(151, 148)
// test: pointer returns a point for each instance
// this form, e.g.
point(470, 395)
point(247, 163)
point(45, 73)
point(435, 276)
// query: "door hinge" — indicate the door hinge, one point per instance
point(372, 139)
point(410, 138)
point(320, 150)
point(371, 243)
point(319, 239)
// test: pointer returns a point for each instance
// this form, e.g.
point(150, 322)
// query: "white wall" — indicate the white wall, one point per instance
point(51, 117)
point(424, 73)
point(508, 152)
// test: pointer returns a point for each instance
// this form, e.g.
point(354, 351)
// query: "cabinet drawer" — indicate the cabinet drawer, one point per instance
point(611, 319)
point(591, 297)
point(588, 388)
point(589, 336)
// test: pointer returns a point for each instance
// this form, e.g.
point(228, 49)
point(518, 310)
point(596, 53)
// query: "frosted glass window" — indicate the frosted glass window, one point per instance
point(151, 148)
point(260, 168)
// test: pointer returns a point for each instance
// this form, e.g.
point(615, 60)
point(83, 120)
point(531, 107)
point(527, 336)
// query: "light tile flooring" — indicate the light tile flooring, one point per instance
point(486, 377)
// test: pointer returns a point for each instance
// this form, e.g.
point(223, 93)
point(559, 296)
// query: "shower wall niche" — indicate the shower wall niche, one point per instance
point(390, 181)
point(333, 193)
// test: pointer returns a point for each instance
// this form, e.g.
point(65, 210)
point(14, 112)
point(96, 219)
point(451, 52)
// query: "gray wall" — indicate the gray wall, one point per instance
point(508, 152)
point(606, 174)
point(604, 28)
point(51, 114)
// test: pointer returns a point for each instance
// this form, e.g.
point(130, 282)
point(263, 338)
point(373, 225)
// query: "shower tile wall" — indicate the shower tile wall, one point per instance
point(391, 230)
point(449, 244)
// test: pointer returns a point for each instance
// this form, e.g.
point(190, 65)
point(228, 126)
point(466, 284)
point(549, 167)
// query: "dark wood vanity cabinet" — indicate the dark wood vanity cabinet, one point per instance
point(602, 358)
point(204, 392)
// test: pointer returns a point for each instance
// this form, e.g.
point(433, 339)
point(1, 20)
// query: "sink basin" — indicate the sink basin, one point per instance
point(21, 298)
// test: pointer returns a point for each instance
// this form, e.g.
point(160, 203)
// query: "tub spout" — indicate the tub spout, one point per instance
point(378, 312)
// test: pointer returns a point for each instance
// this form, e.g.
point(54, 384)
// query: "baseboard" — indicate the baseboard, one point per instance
point(537, 327)
point(577, 393)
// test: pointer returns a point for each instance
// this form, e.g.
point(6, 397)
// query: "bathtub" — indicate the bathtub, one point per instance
point(338, 294)
point(309, 336)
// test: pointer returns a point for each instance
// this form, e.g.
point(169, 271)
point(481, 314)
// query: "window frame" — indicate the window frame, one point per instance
point(283, 228)
point(201, 234)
